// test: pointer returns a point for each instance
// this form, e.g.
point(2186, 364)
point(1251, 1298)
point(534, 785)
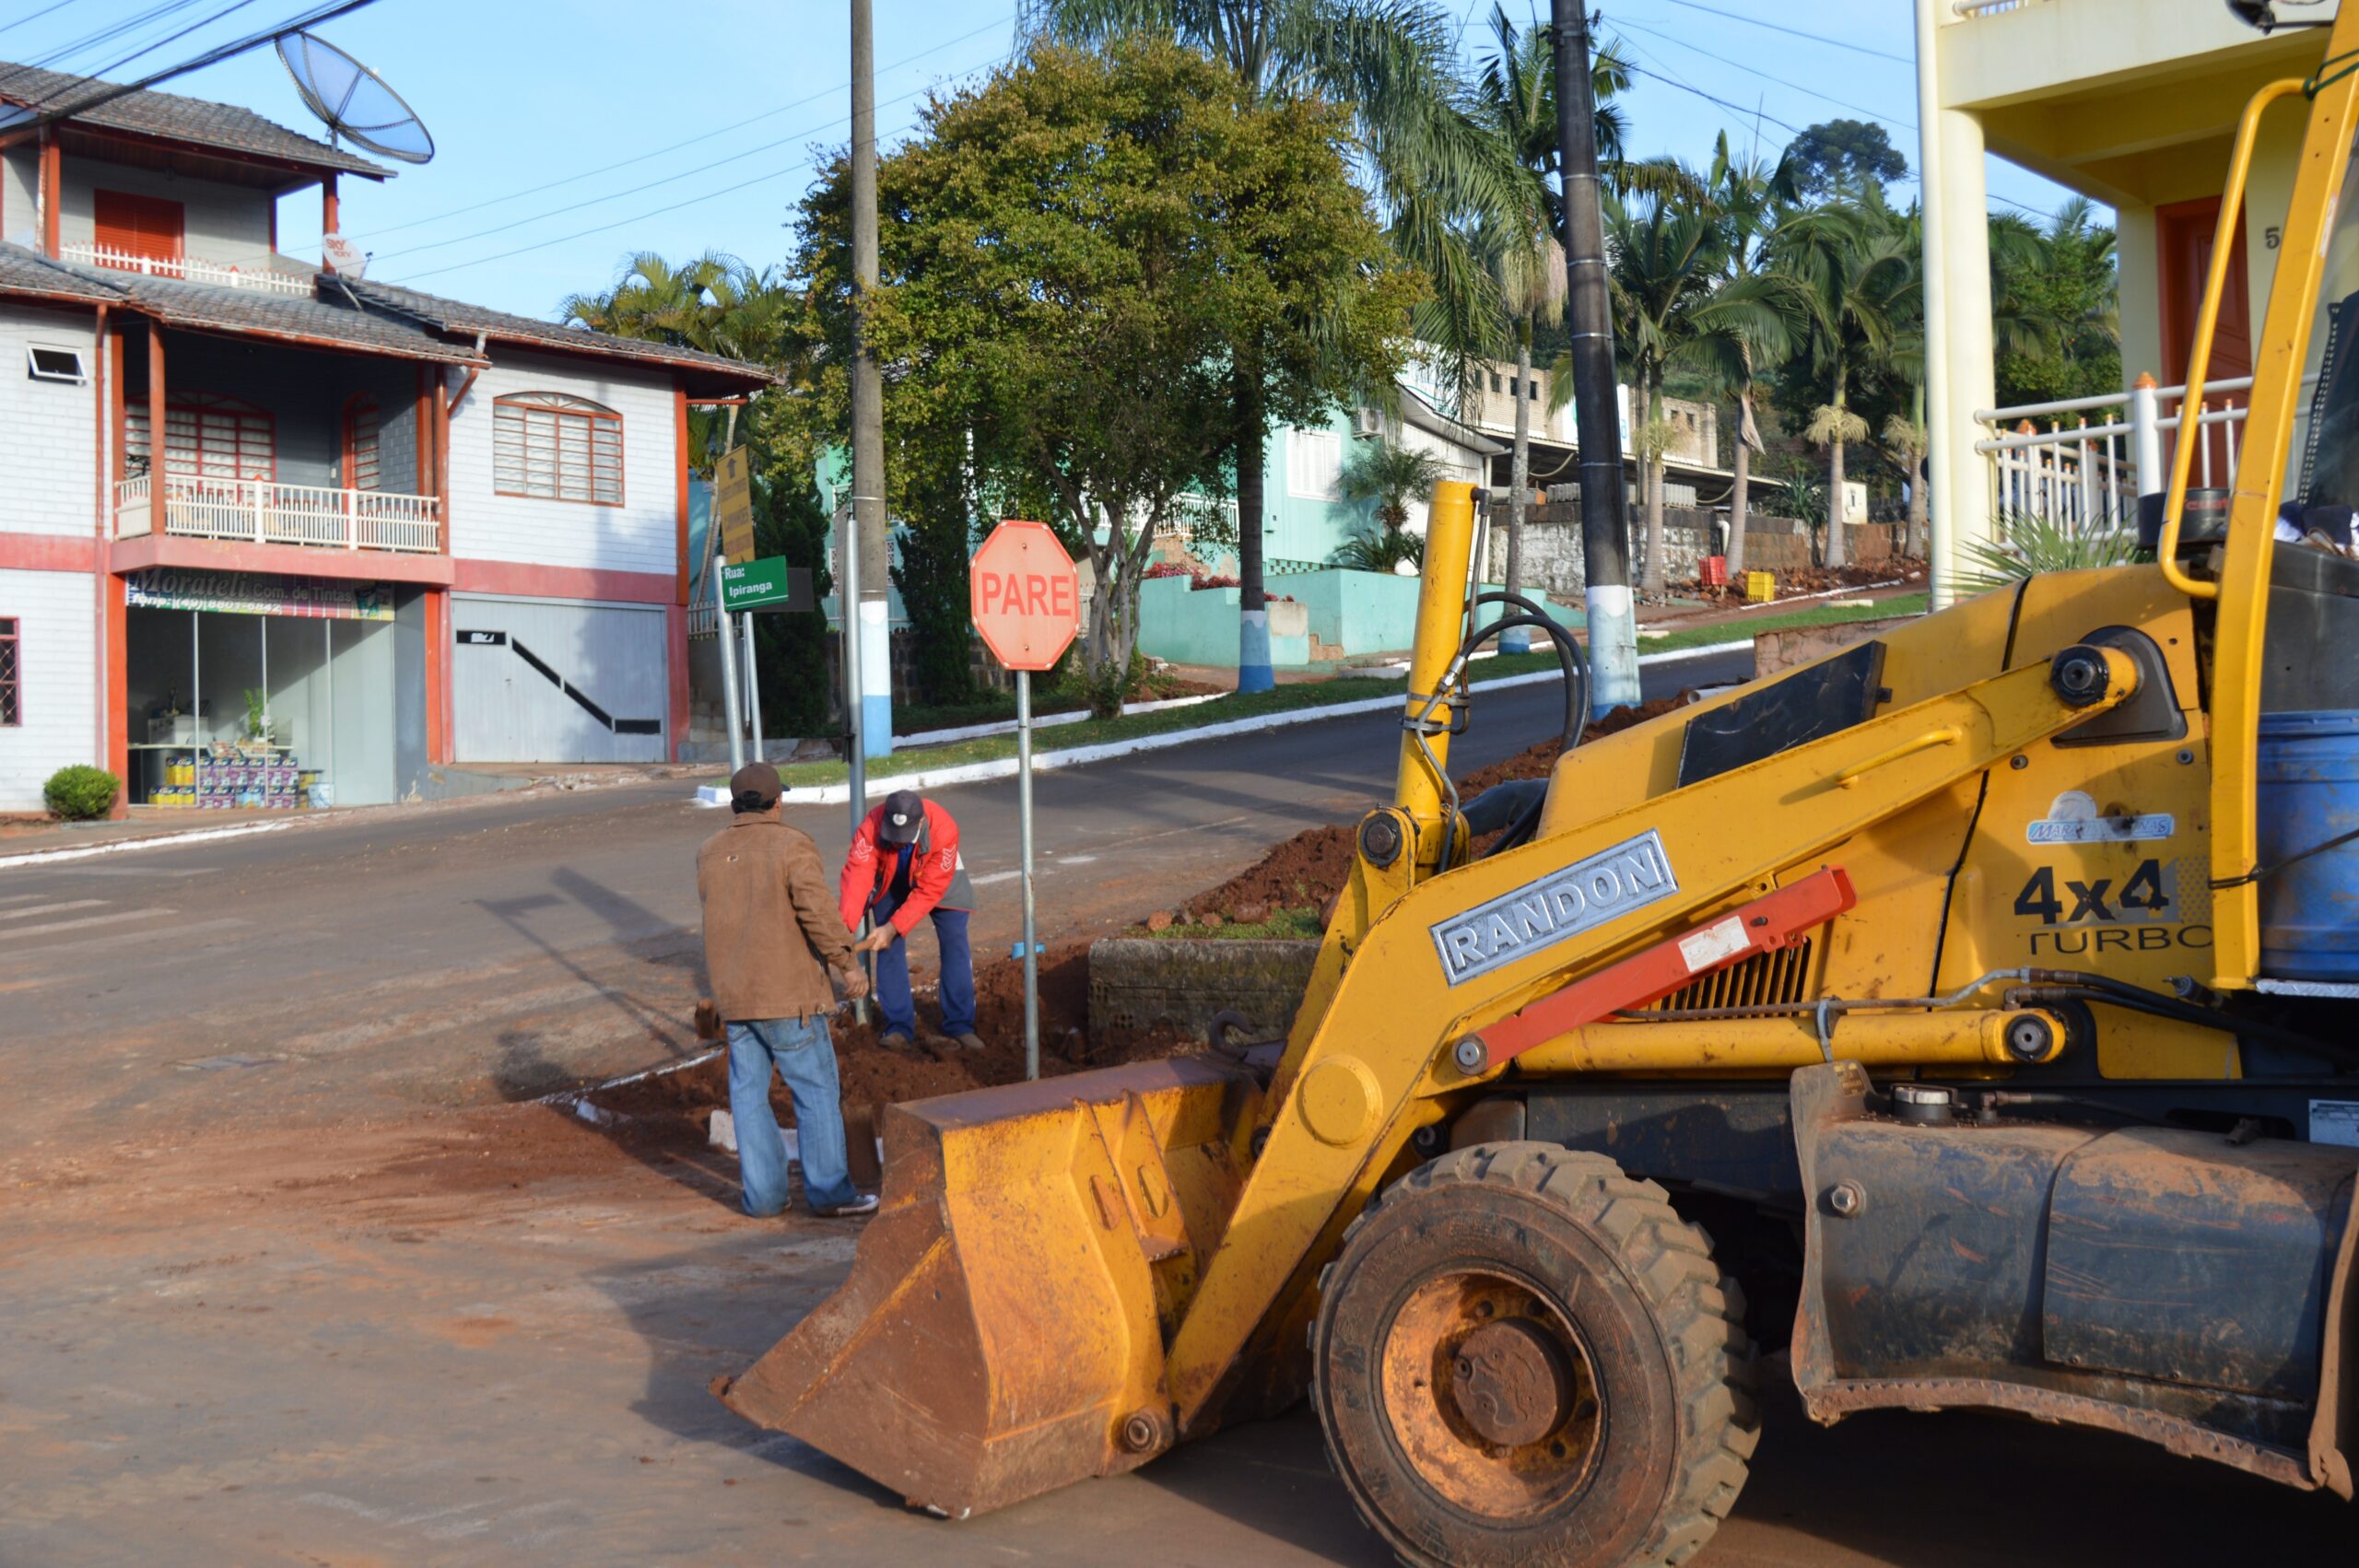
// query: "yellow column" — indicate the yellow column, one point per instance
point(1441, 612)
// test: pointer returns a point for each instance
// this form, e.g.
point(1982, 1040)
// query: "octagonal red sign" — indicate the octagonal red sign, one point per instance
point(1025, 595)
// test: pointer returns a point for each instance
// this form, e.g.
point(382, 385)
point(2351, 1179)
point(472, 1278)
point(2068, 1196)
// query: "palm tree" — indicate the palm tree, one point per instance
point(1749, 317)
point(1515, 99)
point(1389, 474)
point(1666, 257)
point(1854, 278)
point(714, 303)
point(1389, 64)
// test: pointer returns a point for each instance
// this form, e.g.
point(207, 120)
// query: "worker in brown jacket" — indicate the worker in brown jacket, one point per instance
point(771, 933)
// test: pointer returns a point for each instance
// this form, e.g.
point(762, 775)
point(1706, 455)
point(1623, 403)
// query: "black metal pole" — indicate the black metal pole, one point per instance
point(1589, 314)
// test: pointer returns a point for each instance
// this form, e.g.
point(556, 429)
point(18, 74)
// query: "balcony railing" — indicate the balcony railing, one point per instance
point(2096, 455)
point(263, 511)
point(189, 270)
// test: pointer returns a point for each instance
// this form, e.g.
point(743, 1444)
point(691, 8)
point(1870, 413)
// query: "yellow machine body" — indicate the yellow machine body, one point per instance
point(1067, 1277)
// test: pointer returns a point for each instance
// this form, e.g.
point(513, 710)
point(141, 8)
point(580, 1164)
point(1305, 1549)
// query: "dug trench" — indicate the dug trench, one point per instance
point(668, 1112)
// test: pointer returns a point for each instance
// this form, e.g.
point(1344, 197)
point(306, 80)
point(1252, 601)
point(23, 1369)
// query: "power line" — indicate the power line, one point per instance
point(111, 91)
point(171, 38)
point(635, 190)
point(1794, 32)
point(668, 207)
point(1908, 126)
point(1740, 109)
point(34, 17)
point(658, 152)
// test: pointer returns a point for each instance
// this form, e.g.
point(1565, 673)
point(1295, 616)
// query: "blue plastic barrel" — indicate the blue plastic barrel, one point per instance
point(2309, 794)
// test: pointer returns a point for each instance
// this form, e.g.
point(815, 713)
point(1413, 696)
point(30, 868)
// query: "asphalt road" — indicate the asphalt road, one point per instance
point(494, 949)
point(285, 1279)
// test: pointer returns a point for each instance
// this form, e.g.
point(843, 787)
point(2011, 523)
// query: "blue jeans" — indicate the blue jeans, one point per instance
point(893, 996)
point(805, 1056)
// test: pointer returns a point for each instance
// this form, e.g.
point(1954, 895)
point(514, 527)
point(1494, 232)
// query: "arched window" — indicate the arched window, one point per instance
point(360, 443)
point(557, 448)
point(207, 435)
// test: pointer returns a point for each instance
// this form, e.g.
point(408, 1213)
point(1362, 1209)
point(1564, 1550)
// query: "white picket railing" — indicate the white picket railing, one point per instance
point(2096, 455)
point(189, 270)
point(266, 512)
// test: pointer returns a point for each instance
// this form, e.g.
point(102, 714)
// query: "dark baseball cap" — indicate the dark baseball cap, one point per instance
point(904, 817)
point(754, 787)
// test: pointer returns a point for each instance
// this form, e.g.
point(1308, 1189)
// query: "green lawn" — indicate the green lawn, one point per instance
point(1320, 694)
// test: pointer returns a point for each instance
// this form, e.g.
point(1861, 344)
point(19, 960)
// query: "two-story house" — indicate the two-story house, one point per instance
point(386, 529)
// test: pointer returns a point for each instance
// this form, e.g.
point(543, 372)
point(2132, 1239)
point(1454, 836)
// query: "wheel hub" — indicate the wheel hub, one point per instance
point(1489, 1393)
point(1513, 1385)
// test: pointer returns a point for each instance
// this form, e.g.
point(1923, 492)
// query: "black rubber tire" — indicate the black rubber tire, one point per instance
point(1661, 1329)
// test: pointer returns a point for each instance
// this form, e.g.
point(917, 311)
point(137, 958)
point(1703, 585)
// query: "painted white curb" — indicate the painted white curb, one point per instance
point(1076, 756)
point(51, 856)
point(1046, 722)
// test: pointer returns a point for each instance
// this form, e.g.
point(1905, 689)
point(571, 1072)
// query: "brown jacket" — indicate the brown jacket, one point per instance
point(770, 920)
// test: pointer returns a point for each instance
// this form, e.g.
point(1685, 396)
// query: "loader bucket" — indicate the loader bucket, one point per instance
point(1002, 1328)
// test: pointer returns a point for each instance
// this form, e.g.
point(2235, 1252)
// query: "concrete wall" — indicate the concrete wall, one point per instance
point(1333, 614)
point(56, 621)
point(640, 536)
point(1189, 625)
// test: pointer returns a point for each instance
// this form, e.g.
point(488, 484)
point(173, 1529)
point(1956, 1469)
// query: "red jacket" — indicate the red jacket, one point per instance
point(937, 878)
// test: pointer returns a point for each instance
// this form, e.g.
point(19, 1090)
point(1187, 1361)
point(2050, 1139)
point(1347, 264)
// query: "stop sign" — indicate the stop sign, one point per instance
point(1025, 595)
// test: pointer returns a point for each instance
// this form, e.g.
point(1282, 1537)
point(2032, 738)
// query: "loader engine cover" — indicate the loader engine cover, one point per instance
point(2164, 1282)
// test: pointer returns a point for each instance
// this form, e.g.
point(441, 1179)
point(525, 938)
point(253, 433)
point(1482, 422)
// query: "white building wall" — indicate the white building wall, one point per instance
point(56, 615)
point(48, 430)
point(228, 224)
point(20, 196)
point(640, 536)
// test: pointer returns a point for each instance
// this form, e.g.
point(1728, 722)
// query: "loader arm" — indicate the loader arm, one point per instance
point(1457, 953)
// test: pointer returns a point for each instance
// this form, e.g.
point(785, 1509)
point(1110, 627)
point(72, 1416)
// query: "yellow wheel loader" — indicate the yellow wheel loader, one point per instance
point(1969, 1011)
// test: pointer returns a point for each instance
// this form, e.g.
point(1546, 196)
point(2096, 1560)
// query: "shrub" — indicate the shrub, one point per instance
point(81, 793)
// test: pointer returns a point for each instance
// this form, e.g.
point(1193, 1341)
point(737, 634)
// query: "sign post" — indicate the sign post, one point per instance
point(732, 541)
point(1025, 600)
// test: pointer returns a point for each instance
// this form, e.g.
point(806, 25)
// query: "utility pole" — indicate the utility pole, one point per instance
point(872, 726)
point(1589, 313)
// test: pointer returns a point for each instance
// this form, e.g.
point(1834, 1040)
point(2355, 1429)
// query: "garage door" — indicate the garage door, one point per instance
point(540, 680)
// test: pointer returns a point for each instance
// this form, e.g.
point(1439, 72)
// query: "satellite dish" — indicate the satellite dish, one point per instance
point(354, 100)
point(343, 256)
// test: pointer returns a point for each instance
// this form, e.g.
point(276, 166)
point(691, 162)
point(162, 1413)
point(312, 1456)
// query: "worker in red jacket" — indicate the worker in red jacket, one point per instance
point(904, 867)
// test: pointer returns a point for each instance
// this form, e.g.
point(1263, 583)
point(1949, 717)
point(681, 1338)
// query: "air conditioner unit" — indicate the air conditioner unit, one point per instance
point(1367, 422)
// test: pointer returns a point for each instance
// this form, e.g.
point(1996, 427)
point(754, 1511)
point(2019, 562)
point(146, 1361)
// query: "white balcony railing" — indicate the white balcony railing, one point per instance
point(263, 511)
point(189, 270)
point(2096, 455)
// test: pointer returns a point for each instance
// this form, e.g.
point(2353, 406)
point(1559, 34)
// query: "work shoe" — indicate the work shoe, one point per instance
point(859, 1207)
point(972, 1041)
point(894, 1040)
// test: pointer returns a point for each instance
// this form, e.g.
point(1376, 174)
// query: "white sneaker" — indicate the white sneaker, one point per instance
point(859, 1207)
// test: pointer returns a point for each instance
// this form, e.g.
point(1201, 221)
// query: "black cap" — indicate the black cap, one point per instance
point(754, 787)
point(904, 817)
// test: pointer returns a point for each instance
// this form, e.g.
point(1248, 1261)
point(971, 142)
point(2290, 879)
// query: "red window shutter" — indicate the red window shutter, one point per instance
point(148, 227)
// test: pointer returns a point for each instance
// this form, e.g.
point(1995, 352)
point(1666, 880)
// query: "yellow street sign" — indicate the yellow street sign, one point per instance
point(733, 506)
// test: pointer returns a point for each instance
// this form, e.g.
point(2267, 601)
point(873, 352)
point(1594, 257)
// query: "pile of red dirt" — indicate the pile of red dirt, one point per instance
point(874, 1077)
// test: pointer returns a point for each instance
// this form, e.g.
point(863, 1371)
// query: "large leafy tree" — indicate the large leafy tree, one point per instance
point(1082, 262)
point(1389, 66)
point(1837, 155)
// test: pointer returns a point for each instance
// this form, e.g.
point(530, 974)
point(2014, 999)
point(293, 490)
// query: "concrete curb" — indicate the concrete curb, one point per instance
point(1076, 756)
point(153, 840)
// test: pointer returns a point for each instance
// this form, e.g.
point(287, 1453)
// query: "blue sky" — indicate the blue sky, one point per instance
point(532, 105)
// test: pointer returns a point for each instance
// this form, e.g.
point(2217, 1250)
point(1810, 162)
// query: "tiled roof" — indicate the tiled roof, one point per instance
point(452, 316)
point(328, 319)
point(23, 272)
point(344, 313)
point(148, 114)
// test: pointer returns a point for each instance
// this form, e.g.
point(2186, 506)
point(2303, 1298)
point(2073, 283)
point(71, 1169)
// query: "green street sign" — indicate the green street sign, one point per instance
point(766, 583)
